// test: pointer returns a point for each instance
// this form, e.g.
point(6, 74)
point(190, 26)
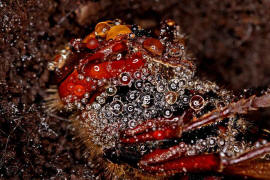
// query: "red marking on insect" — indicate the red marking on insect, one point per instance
point(74, 87)
point(94, 66)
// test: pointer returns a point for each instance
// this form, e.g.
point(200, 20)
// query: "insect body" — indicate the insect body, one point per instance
point(143, 113)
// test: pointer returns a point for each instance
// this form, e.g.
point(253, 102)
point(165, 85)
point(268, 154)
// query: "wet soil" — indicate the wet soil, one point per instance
point(229, 39)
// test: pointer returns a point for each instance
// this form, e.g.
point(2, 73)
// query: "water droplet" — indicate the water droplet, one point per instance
point(138, 84)
point(171, 97)
point(167, 113)
point(96, 68)
point(125, 78)
point(116, 107)
point(147, 100)
point(132, 95)
point(111, 91)
point(119, 56)
point(100, 100)
point(197, 102)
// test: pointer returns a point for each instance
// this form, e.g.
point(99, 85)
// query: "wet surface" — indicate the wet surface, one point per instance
point(230, 41)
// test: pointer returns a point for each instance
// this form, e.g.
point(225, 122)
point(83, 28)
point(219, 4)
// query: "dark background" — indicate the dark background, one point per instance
point(230, 40)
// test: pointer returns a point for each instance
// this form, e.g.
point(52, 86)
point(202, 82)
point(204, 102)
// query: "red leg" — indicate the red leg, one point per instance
point(255, 153)
point(196, 163)
point(175, 160)
point(163, 155)
point(162, 133)
point(243, 106)
point(164, 129)
point(139, 133)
